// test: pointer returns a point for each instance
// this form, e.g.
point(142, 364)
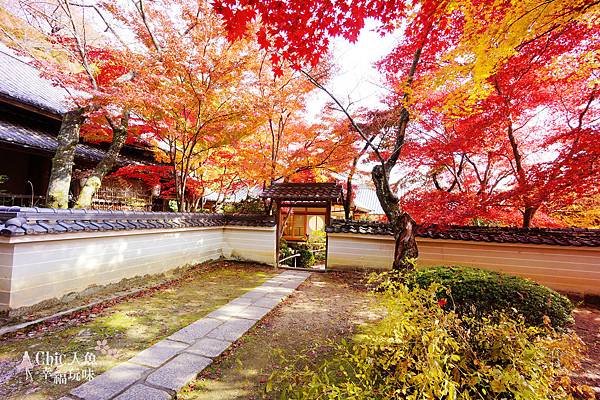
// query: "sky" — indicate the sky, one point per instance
point(357, 80)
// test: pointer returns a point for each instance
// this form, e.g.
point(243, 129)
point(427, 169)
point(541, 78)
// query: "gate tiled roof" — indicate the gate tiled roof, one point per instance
point(303, 192)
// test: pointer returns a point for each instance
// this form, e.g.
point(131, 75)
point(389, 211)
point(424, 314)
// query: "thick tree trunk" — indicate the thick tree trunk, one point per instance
point(528, 216)
point(64, 159)
point(94, 181)
point(403, 225)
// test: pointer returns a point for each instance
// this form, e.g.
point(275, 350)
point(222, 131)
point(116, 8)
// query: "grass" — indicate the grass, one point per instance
point(128, 327)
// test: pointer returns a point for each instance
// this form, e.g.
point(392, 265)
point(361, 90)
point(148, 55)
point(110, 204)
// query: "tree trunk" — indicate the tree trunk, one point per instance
point(348, 199)
point(403, 225)
point(182, 200)
point(94, 181)
point(528, 216)
point(64, 159)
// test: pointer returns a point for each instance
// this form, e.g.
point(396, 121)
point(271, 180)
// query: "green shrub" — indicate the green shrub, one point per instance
point(284, 252)
point(317, 242)
point(247, 206)
point(479, 292)
point(418, 350)
point(306, 259)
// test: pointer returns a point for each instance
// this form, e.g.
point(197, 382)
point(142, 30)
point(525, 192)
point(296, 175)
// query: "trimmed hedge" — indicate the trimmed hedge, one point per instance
point(481, 292)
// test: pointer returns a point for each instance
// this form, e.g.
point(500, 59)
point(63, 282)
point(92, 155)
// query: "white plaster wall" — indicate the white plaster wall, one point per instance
point(566, 268)
point(6, 257)
point(37, 268)
point(348, 251)
point(53, 265)
point(250, 243)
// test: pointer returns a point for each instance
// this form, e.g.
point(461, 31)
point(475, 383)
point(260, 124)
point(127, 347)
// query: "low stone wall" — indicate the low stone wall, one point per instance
point(574, 269)
point(41, 266)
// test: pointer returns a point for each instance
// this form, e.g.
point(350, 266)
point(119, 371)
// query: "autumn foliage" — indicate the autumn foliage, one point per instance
point(492, 113)
point(502, 97)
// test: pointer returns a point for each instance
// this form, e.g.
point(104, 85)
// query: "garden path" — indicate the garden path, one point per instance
point(161, 370)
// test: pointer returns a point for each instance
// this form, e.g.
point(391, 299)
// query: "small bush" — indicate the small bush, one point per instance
point(480, 292)
point(248, 206)
point(317, 242)
point(284, 252)
point(306, 259)
point(419, 350)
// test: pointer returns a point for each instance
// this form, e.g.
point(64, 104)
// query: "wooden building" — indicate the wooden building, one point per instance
point(31, 110)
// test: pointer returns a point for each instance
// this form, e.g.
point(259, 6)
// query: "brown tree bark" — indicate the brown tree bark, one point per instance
point(403, 225)
point(94, 181)
point(348, 198)
point(528, 215)
point(64, 159)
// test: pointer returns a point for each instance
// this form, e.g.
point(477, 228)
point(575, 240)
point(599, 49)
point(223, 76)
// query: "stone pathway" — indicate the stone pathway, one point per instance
point(160, 371)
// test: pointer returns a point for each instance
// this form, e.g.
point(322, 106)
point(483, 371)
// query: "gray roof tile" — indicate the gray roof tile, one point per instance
point(16, 221)
point(303, 191)
point(557, 237)
point(22, 82)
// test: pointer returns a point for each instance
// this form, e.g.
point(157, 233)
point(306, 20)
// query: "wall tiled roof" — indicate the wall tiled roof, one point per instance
point(22, 82)
point(303, 191)
point(558, 237)
point(18, 221)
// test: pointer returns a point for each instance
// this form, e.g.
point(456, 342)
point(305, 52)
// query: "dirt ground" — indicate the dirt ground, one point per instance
point(587, 325)
point(326, 308)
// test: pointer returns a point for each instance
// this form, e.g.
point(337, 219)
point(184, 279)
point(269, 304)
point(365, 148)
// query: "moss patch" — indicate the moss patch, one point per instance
point(127, 328)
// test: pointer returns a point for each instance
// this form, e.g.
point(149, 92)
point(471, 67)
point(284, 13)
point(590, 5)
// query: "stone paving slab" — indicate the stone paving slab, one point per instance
point(253, 295)
point(255, 311)
point(232, 330)
point(158, 354)
point(179, 371)
point(196, 330)
point(242, 301)
point(268, 302)
point(110, 383)
point(227, 311)
point(246, 311)
point(209, 347)
point(143, 392)
point(164, 368)
point(279, 292)
point(291, 284)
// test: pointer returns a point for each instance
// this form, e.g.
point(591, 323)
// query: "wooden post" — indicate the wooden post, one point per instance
point(277, 212)
point(327, 222)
